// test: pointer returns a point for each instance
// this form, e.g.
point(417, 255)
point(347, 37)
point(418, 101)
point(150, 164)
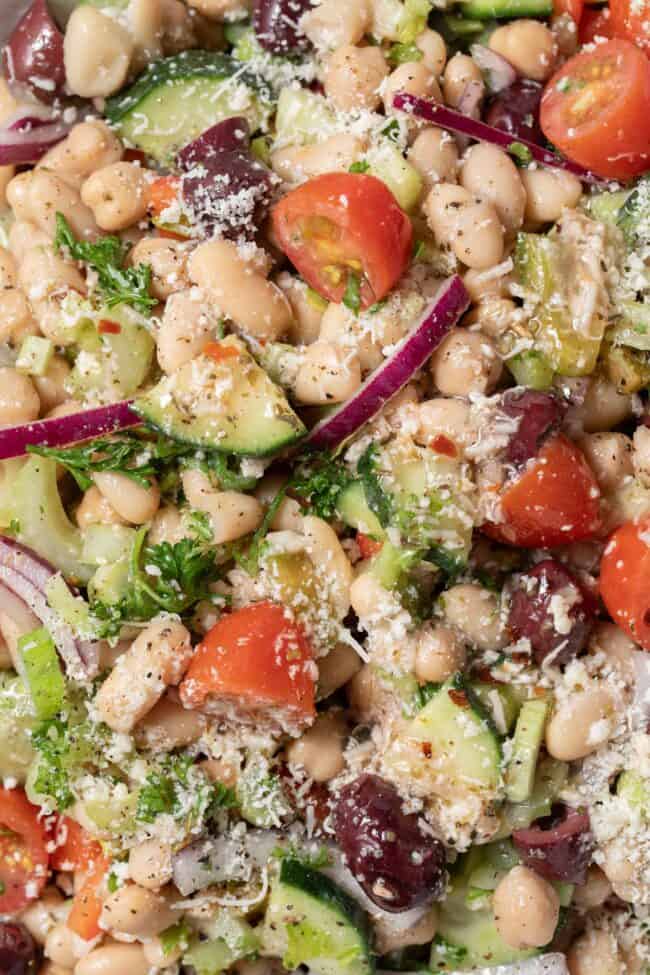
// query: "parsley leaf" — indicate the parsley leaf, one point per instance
point(50, 740)
point(126, 453)
point(249, 560)
point(352, 296)
point(178, 936)
point(359, 167)
point(165, 577)
point(320, 483)
point(520, 153)
point(378, 500)
point(163, 791)
point(106, 256)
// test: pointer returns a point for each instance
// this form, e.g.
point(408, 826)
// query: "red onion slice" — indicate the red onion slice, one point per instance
point(459, 123)
point(498, 72)
point(442, 313)
point(65, 430)
point(18, 611)
point(25, 141)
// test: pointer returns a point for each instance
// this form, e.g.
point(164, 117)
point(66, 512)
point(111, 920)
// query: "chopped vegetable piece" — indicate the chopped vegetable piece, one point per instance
point(42, 672)
point(23, 851)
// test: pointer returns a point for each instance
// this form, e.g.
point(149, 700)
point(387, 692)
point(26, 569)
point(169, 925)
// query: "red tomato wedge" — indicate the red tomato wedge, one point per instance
point(75, 848)
point(162, 194)
point(368, 546)
point(595, 23)
point(340, 227)
point(555, 501)
point(625, 579)
point(86, 908)
point(257, 658)
point(23, 851)
point(596, 109)
point(631, 19)
point(574, 8)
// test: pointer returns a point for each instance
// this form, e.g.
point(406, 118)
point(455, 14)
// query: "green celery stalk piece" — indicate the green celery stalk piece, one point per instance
point(42, 672)
point(529, 733)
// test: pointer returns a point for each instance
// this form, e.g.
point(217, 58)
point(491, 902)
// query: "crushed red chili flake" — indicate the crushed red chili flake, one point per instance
point(443, 445)
point(459, 698)
point(106, 327)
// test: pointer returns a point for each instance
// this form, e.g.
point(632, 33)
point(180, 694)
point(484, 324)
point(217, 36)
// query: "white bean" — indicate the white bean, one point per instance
point(319, 750)
point(133, 502)
point(188, 322)
point(117, 195)
point(95, 509)
point(475, 612)
point(16, 317)
point(337, 668)
point(528, 45)
point(434, 154)
point(327, 374)
point(434, 50)
point(61, 946)
point(89, 146)
point(460, 71)
point(353, 75)
point(331, 24)
point(97, 53)
point(8, 269)
point(115, 959)
point(169, 725)
point(610, 457)
point(548, 193)
point(439, 653)
point(51, 386)
point(150, 864)
point(156, 659)
point(465, 362)
point(328, 555)
point(413, 77)
point(489, 173)
point(38, 196)
point(581, 724)
point(168, 262)
point(136, 911)
point(595, 952)
point(307, 309)
point(526, 909)
point(450, 417)
point(19, 402)
point(335, 154)
point(232, 513)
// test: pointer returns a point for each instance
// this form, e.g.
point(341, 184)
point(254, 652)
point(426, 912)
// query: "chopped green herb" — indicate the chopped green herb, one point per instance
point(106, 256)
point(50, 739)
point(403, 53)
point(359, 167)
point(378, 500)
point(112, 883)
point(352, 296)
point(320, 482)
point(378, 305)
point(520, 153)
point(178, 936)
point(160, 793)
point(250, 558)
point(419, 249)
point(391, 131)
point(227, 471)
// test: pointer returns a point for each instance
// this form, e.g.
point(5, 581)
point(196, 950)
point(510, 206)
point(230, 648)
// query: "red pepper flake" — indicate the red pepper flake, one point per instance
point(485, 675)
point(443, 445)
point(106, 327)
point(171, 235)
point(368, 546)
point(427, 751)
point(218, 351)
point(459, 698)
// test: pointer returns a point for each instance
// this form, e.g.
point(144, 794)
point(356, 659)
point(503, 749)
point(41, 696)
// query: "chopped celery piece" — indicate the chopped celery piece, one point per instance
point(72, 609)
point(209, 957)
point(35, 355)
point(234, 931)
point(400, 20)
point(634, 327)
point(389, 165)
point(550, 778)
point(486, 9)
point(548, 268)
point(43, 525)
point(42, 672)
point(634, 216)
point(530, 368)
point(109, 583)
point(605, 207)
point(261, 149)
point(17, 721)
point(529, 732)
point(302, 116)
point(496, 859)
point(106, 544)
point(627, 368)
point(501, 701)
point(390, 565)
point(113, 816)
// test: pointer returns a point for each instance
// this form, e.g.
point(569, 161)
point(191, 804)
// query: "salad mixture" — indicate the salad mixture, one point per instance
point(325, 488)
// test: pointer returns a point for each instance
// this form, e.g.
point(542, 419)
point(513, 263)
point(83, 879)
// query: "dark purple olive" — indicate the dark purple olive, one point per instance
point(34, 53)
point(276, 24)
point(229, 135)
point(225, 187)
point(549, 608)
point(516, 110)
point(538, 414)
point(18, 953)
point(390, 856)
point(558, 847)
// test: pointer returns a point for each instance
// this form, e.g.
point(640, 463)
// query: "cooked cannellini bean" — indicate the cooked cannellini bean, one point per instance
point(490, 173)
point(353, 75)
point(187, 323)
point(465, 362)
point(413, 77)
point(307, 309)
point(330, 25)
point(581, 724)
point(133, 502)
point(51, 386)
point(150, 864)
point(327, 374)
point(434, 154)
point(328, 555)
point(16, 317)
point(335, 154)
point(595, 951)
point(19, 402)
point(337, 668)
point(434, 50)
point(156, 659)
point(95, 509)
point(548, 193)
point(117, 195)
point(319, 750)
point(450, 417)
point(97, 53)
point(8, 269)
point(136, 911)
point(232, 513)
point(526, 909)
point(528, 45)
point(89, 146)
point(610, 457)
point(168, 262)
point(475, 612)
point(169, 725)
point(38, 195)
point(460, 70)
point(115, 959)
point(439, 653)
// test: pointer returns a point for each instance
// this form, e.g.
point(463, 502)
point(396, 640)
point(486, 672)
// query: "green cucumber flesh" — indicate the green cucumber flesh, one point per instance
point(177, 98)
point(353, 508)
point(527, 741)
point(42, 673)
point(230, 406)
point(310, 920)
point(487, 9)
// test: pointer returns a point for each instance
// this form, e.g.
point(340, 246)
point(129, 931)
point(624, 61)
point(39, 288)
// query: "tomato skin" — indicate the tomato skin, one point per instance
point(75, 847)
point(258, 656)
point(625, 580)
point(87, 904)
point(339, 223)
point(368, 546)
point(23, 857)
point(631, 19)
point(595, 23)
point(162, 194)
point(574, 8)
point(596, 109)
point(555, 501)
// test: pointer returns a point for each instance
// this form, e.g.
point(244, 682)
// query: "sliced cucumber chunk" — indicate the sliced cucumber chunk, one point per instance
point(354, 510)
point(527, 741)
point(311, 921)
point(229, 405)
point(487, 9)
point(42, 673)
point(450, 745)
point(177, 98)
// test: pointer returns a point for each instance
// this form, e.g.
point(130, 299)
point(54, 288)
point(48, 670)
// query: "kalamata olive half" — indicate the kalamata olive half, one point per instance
point(551, 610)
point(34, 53)
point(558, 847)
point(18, 953)
point(538, 413)
point(398, 865)
point(229, 135)
point(276, 24)
point(516, 110)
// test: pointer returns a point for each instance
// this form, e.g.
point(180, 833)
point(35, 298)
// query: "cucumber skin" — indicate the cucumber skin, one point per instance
point(487, 9)
point(314, 884)
point(179, 67)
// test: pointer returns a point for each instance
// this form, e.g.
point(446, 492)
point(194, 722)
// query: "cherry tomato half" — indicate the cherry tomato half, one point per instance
point(75, 848)
point(555, 501)
point(631, 19)
point(595, 23)
point(258, 658)
point(573, 8)
point(342, 228)
point(23, 851)
point(596, 109)
point(625, 579)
